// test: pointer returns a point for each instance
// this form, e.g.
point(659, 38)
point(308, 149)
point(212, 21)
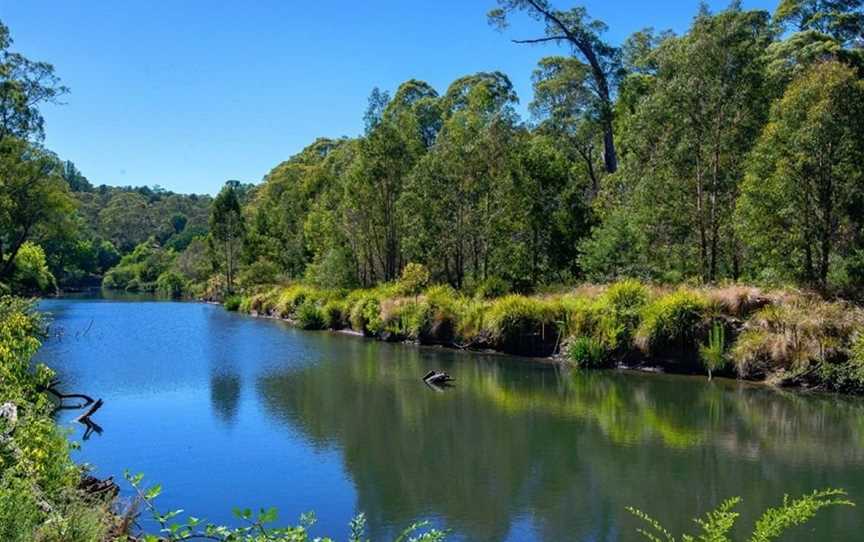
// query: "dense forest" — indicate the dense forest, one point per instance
point(730, 152)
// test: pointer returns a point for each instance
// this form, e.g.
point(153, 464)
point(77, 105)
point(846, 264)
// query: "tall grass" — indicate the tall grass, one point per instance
point(779, 336)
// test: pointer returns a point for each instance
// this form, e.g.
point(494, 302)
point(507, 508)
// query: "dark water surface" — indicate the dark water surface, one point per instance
point(226, 410)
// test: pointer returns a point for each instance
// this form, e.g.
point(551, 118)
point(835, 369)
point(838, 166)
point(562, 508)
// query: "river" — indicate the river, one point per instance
point(226, 410)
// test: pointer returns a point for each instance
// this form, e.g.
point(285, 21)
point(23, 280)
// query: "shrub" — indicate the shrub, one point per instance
point(232, 303)
point(672, 320)
point(524, 325)
point(309, 316)
point(492, 287)
point(366, 314)
point(291, 298)
point(31, 270)
point(618, 312)
point(333, 314)
point(171, 284)
point(259, 272)
point(796, 333)
point(415, 277)
point(588, 353)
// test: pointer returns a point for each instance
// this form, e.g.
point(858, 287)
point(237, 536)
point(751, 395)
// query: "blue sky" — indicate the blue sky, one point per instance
point(187, 93)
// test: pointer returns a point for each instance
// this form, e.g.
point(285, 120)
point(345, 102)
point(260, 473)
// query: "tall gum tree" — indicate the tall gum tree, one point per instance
point(576, 28)
point(797, 209)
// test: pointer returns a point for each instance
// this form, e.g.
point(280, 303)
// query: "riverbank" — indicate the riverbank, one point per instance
point(781, 337)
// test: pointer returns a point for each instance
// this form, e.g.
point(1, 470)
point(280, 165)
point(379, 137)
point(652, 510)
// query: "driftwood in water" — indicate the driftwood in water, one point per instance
point(436, 378)
point(52, 389)
point(92, 427)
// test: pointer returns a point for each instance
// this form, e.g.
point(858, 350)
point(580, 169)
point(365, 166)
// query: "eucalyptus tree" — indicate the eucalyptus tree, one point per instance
point(689, 137)
point(565, 108)
point(454, 207)
point(801, 200)
point(24, 86)
point(843, 20)
point(582, 33)
point(392, 145)
point(227, 228)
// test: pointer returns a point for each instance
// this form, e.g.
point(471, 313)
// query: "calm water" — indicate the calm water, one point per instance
point(226, 410)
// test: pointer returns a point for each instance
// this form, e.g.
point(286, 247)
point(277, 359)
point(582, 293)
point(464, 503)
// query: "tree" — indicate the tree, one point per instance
point(126, 220)
point(843, 20)
point(564, 104)
point(24, 86)
point(33, 197)
point(801, 198)
point(687, 141)
point(582, 33)
point(227, 228)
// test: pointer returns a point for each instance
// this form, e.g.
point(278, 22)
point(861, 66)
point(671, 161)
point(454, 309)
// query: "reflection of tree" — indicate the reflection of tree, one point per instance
point(565, 452)
point(225, 395)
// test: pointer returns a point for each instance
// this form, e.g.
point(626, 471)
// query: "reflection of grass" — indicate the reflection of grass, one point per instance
point(622, 420)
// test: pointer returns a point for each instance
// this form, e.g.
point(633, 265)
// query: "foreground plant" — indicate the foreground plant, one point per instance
point(716, 525)
point(257, 527)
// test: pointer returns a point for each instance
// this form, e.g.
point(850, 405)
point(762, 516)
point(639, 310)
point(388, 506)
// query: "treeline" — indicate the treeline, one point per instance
point(730, 152)
point(733, 151)
point(56, 228)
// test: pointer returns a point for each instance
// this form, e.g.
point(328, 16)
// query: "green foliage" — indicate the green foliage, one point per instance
point(171, 284)
point(492, 287)
point(257, 526)
point(805, 166)
point(716, 525)
point(31, 270)
point(520, 324)
point(141, 269)
point(309, 316)
point(672, 320)
point(260, 271)
point(415, 278)
point(39, 499)
point(232, 303)
point(588, 353)
point(713, 353)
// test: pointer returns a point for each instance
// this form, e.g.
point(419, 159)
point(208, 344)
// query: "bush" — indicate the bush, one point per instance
point(524, 325)
point(232, 303)
point(291, 298)
point(309, 316)
point(795, 334)
point(673, 320)
point(171, 284)
point(333, 314)
point(492, 287)
point(588, 353)
point(366, 315)
point(618, 313)
point(259, 272)
point(415, 277)
point(31, 270)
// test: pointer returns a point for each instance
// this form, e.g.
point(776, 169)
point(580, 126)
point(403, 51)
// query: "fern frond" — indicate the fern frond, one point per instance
point(775, 521)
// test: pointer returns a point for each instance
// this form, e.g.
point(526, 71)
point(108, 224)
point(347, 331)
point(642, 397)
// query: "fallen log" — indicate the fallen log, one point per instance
point(52, 389)
point(436, 378)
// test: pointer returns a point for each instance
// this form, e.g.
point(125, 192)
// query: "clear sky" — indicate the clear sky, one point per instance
point(188, 93)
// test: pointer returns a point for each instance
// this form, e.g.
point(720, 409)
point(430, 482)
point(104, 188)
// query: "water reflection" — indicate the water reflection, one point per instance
point(253, 413)
point(568, 450)
point(225, 395)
